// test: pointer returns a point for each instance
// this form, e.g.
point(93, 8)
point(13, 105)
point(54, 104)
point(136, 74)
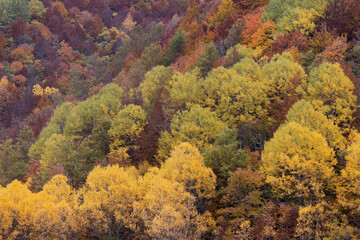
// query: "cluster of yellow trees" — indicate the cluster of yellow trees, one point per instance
point(164, 203)
point(312, 160)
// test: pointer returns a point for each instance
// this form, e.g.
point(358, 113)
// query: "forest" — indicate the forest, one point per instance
point(180, 119)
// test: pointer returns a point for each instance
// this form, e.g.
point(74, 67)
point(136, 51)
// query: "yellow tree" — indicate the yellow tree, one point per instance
point(331, 92)
point(128, 23)
point(51, 219)
point(10, 199)
point(249, 69)
point(234, 98)
point(186, 89)
point(322, 221)
point(283, 77)
point(167, 210)
point(186, 166)
point(305, 114)
point(156, 84)
point(349, 189)
point(107, 201)
point(224, 11)
point(298, 164)
point(59, 190)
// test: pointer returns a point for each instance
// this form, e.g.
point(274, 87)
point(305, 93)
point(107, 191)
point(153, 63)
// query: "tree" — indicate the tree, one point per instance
point(238, 52)
point(225, 10)
point(81, 119)
point(13, 157)
point(298, 164)
point(282, 76)
point(305, 114)
point(37, 9)
point(244, 192)
point(234, 35)
point(343, 16)
point(156, 85)
point(58, 150)
point(128, 23)
point(197, 126)
point(207, 58)
point(13, 9)
point(331, 92)
point(224, 157)
point(348, 190)
point(248, 69)
point(124, 132)
point(186, 89)
point(55, 126)
point(54, 216)
point(234, 99)
point(291, 15)
point(288, 41)
point(167, 210)
point(175, 48)
point(323, 221)
point(108, 202)
point(186, 166)
point(11, 198)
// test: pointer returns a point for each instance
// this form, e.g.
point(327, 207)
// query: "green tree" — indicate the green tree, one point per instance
point(13, 157)
point(10, 10)
point(234, 99)
point(206, 59)
point(197, 126)
point(37, 9)
point(292, 15)
point(224, 157)
point(55, 126)
point(249, 69)
point(124, 132)
point(156, 85)
point(175, 48)
point(186, 89)
point(81, 119)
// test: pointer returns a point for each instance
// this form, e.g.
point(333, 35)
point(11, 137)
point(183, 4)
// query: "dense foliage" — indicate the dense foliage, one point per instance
point(179, 119)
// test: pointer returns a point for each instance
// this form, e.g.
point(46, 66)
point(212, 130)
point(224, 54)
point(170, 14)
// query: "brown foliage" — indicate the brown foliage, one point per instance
point(248, 6)
point(286, 41)
point(321, 39)
point(343, 16)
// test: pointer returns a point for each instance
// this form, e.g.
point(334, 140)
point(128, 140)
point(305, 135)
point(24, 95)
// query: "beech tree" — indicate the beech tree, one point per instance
point(186, 166)
point(305, 114)
point(108, 198)
point(294, 15)
point(197, 126)
point(348, 190)
point(331, 92)
point(125, 129)
point(168, 211)
point(298, 164)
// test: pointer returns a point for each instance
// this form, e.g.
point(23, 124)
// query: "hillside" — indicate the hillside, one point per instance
point(179, 119)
